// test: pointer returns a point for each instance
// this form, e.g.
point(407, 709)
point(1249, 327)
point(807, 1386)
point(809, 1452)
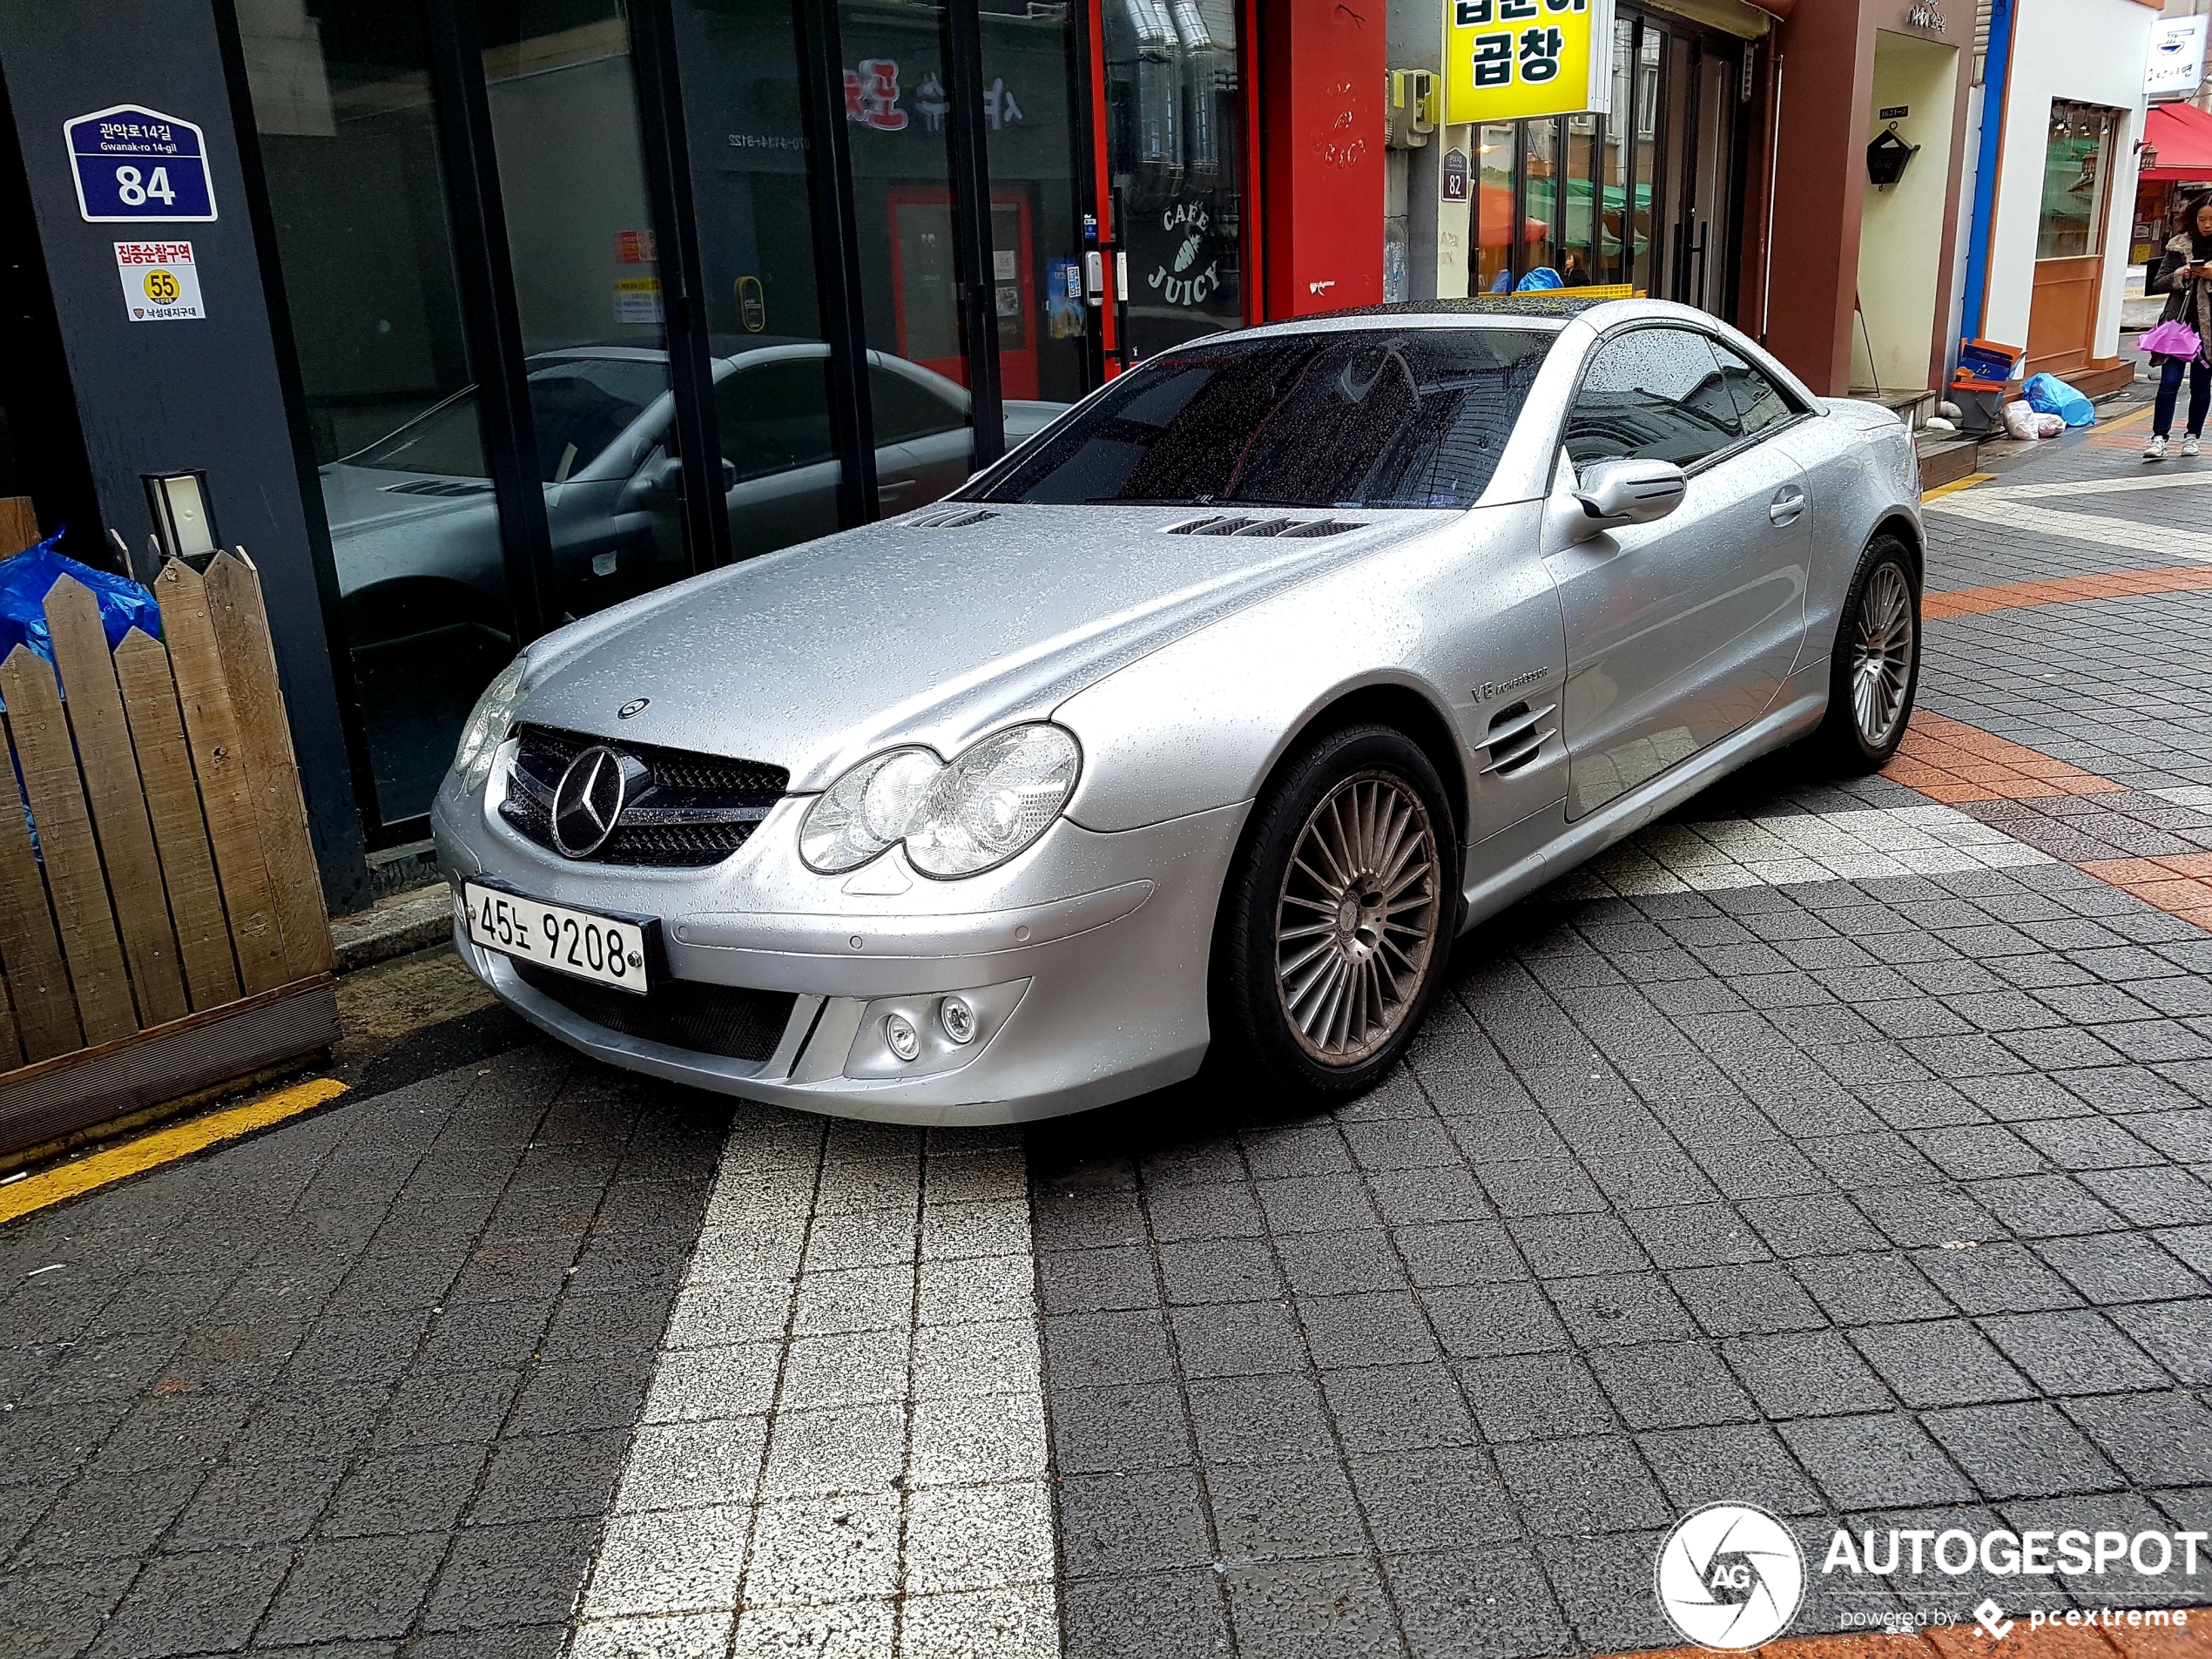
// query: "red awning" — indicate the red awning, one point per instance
point(2183, 136)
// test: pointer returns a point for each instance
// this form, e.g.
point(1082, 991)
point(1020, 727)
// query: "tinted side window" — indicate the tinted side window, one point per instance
point(774, 416)
point(1759, 402)
point(1654, 395)
point(907, 408)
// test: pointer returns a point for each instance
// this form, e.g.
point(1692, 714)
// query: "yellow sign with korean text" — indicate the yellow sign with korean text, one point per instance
point(1507, 60)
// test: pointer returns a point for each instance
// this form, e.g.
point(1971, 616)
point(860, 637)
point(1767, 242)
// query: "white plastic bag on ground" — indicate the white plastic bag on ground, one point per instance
point(2020, 422)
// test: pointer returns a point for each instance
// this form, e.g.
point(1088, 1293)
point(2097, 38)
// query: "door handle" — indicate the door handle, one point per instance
point(1785, 506)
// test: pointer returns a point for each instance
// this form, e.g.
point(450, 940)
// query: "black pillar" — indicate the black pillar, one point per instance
point(173, 396)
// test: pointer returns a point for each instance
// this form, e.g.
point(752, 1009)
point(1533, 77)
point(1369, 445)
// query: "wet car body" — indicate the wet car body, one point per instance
point(1570, 686)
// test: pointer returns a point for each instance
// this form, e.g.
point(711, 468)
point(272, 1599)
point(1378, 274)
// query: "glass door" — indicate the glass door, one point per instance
point(562, 92)
point(897, 103)
point(352, 161)
point(738, 65)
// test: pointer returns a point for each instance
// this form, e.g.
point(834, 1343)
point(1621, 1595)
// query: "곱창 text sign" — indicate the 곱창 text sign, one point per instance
point(160, 282)
point(133, 163)
point(1507, 60)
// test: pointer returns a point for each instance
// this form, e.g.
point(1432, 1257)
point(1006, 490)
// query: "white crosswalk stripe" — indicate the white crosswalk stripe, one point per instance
point(1793, 849)
point(843, 1448)
point(2168, 542)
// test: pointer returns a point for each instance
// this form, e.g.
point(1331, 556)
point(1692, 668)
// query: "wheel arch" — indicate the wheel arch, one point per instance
point(1907, 531)
point(1404, 708)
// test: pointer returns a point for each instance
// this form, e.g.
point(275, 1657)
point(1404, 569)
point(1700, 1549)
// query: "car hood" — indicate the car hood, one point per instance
point(817, 656)
point(360, 498)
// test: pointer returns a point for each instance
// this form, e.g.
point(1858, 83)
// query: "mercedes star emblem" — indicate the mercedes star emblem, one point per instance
point(635, 705)
point(587, 803)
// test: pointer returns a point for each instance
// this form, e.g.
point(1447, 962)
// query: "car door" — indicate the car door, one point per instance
point(772, 417)
point(1681, 631)
point(924, 442)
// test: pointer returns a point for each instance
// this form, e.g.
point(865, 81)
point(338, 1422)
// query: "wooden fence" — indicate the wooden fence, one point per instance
point(161, 919)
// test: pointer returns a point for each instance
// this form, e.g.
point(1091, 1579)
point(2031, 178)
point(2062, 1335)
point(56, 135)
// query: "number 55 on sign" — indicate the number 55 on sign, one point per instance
point(160, 282)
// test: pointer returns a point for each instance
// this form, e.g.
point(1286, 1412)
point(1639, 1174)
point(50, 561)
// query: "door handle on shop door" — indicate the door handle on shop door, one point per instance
point(1785, 506)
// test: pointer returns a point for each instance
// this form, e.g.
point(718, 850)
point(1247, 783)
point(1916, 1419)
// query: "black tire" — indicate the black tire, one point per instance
point(1256, 1036)
point(1843, 741)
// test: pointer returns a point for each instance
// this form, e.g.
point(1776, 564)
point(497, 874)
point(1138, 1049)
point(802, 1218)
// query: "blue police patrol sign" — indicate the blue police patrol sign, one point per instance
point(134, 164)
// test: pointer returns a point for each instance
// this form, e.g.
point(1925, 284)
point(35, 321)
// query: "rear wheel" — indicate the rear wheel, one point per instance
point(1874, 669)
point(1338, 915)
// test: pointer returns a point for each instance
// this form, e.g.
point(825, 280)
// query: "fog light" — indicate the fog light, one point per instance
point(899, 1034)
point(957, 1018)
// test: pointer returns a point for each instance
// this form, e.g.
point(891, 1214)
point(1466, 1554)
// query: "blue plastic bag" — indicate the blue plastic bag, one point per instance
point(1542, 279)
point(26, 579)
point(2048, 394)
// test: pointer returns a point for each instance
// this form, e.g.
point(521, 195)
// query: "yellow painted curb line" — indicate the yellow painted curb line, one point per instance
point(1957, 484)
point(163, 1146)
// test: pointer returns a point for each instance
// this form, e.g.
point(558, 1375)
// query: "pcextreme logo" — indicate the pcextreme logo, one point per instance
point(1730, 1577)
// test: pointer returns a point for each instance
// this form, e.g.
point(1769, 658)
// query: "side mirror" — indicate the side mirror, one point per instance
point(1629, 492)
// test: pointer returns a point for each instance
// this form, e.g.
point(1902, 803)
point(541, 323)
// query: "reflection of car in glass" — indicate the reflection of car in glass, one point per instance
point(1204, 722)
point(416, 532)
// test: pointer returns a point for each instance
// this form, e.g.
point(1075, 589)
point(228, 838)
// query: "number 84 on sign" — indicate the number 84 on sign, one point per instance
point(1508, 60)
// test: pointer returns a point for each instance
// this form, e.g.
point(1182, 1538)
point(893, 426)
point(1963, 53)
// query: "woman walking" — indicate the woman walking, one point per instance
point(2183, 337)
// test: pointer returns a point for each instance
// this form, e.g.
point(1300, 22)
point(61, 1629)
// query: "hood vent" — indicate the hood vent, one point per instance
point(1230, 525)
point(1516, 736)
point(439, 487)
point(957, 518)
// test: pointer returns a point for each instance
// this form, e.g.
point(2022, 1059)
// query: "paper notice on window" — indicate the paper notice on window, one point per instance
point(160, 282)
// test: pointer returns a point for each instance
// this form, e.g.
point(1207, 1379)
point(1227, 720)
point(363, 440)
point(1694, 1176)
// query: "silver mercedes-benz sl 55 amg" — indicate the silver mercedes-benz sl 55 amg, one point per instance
point(1199, 725)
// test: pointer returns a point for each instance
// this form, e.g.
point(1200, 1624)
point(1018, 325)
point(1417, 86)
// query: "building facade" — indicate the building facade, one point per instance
point(2063, 112)
point(506, 311)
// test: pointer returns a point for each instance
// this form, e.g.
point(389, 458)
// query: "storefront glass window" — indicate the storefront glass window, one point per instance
point(1174, 148)
point(341, 103)
point(1644, 251)
point(2077, 173)
point(739, 64)
point(587, 286)
point(896, 105)
point(1030, 129)
point(1576, 257)
point(1494, 213)
point(1540, 182)
point(1615, 222)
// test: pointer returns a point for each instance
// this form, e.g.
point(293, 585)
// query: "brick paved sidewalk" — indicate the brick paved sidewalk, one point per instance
point(1842, 1148)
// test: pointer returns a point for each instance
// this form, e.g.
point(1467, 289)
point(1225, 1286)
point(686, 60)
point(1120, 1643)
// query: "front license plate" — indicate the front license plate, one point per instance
point(576, 942)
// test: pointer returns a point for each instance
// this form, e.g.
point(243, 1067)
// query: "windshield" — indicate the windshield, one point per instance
point(1406, 417)
point(578, 406)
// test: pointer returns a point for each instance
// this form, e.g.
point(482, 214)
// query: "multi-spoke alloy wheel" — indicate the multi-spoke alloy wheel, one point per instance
point(1882, 645)
point(1357, 918)
point(1874, 669)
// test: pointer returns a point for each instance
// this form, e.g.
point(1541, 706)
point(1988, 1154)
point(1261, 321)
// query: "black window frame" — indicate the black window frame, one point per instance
point(491, 327)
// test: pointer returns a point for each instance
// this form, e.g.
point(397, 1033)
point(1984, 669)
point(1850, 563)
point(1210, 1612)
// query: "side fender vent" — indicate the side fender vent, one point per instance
point(1517, 735)
point(955, 518)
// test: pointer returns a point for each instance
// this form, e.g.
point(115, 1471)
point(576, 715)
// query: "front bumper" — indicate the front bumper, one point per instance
point(1085, 959)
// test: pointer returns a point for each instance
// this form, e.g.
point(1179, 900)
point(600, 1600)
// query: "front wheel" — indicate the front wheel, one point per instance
point(1875, 670)
point(1338, 915)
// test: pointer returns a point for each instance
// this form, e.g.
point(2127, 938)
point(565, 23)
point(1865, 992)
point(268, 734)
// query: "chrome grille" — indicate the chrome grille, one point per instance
point(695, 809)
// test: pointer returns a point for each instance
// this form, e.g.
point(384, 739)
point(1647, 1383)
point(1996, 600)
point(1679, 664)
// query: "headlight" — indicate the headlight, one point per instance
point(487, 727)
point(961, 818)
